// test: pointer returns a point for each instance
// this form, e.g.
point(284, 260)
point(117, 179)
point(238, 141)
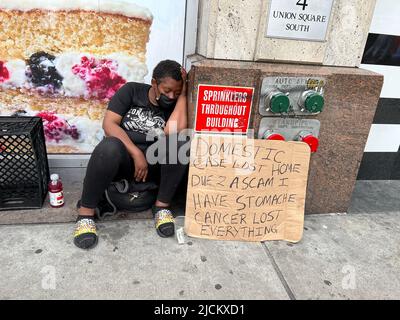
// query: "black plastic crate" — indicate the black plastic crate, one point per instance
point(24, 168)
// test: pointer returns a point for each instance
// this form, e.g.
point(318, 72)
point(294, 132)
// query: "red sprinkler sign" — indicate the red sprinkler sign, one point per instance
point(223, 109)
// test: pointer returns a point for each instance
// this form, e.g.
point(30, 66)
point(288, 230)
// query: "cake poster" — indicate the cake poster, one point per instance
point(63, 60)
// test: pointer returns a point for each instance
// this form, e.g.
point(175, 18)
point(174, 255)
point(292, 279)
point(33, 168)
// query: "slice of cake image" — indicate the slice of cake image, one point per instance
point(63, 60)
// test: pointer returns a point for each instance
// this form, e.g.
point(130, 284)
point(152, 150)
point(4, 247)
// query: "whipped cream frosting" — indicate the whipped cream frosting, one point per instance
point(16, 69)
point(73, 86)
point(91, 131)
point(122, 7)
point(129, 68)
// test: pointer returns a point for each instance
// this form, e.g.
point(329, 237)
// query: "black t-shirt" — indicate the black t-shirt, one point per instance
point(139, 116)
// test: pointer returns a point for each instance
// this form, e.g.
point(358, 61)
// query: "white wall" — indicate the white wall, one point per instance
point(167, 32)
point(386, 17)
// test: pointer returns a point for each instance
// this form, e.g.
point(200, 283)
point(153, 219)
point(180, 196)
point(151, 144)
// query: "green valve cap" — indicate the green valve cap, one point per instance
point(314, 102)
point(279, 103)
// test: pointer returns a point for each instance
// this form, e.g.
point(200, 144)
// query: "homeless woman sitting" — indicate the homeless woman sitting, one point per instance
point(136, 111)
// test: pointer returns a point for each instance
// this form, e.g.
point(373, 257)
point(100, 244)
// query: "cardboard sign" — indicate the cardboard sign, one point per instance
point(223, 109)
point(245, 189)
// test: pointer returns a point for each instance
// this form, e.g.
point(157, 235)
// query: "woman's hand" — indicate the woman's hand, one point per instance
point(178, 120)
point(141, 166)
point(185, 80)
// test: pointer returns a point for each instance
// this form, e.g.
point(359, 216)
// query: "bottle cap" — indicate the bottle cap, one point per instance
point(54, 177)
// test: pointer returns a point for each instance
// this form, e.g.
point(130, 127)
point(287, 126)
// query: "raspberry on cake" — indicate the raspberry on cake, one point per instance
point(4, 73)
point(101, 77)
point(68, 58)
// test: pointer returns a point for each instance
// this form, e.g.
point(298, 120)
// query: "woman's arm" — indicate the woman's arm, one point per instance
point(111, 126)
point(178, 119)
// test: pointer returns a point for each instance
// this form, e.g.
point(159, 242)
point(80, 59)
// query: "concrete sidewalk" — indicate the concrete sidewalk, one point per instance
point(354, 256)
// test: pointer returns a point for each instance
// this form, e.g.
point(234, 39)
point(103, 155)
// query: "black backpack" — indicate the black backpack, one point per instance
point(128, 197)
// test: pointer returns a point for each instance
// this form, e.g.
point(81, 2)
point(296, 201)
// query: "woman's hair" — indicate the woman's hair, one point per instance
point(167, 68)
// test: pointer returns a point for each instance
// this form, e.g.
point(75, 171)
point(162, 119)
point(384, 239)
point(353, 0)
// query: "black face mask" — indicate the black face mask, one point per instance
point(165, 102)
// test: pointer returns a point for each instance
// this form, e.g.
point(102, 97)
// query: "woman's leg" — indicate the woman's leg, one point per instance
point(171, 174)
point(172, 171)
point(110, 160)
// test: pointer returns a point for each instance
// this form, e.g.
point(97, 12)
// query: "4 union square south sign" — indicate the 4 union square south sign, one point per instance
point(299, 19)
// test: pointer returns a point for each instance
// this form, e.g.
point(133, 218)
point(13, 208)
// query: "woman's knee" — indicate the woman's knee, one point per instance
point(109, 149)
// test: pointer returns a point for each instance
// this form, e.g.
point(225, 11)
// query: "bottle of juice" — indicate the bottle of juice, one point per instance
point(56, 194)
